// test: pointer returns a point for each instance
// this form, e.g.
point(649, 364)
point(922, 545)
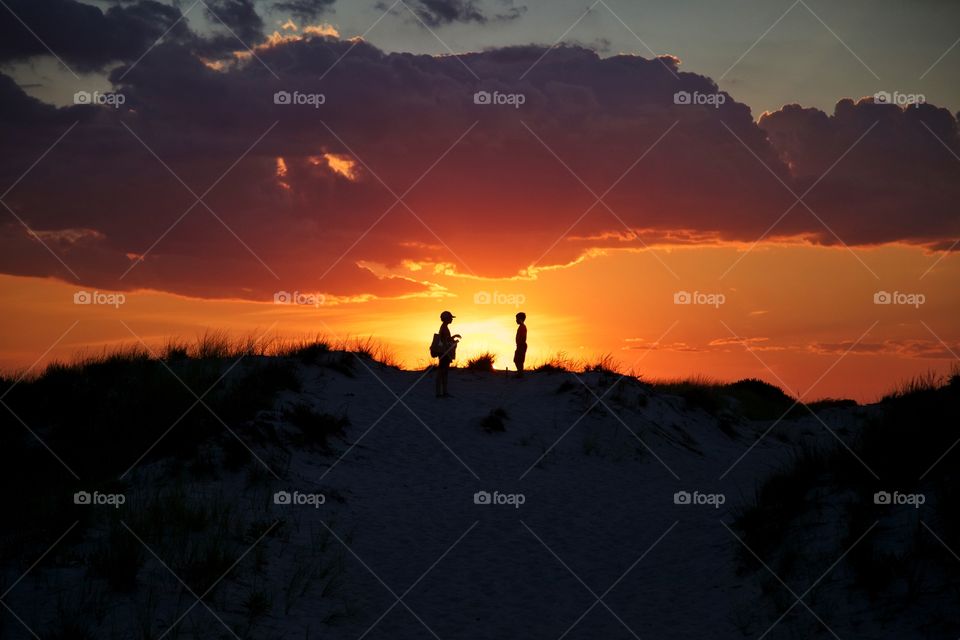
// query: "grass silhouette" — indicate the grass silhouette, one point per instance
point(908, 443)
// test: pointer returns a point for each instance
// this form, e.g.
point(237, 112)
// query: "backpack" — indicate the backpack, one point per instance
point(436, 347)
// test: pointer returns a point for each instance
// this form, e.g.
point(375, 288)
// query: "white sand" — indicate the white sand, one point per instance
point(598, 519)
point(598, 498)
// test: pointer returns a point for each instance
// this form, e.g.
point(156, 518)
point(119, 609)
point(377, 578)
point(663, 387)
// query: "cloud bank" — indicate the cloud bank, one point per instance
point(317, 155)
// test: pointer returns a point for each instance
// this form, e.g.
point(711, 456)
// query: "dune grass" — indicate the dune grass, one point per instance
point(104, 411)
point(120, 410)
point(84, 424)
point(340, 355)
point(558, 363)
point(907, 444)
point(921, 383)
point(482, 362)
point(562, 363)
point(221, 345)
point(316, 427)
point(604, 363)
point(750, 398)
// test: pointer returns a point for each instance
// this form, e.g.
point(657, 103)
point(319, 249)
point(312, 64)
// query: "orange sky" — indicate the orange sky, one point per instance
point(377, 171)
point(797, 307)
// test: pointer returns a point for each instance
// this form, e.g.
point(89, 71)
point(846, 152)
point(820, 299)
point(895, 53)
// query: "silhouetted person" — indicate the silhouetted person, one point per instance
point(521, 353)
point(448, 350)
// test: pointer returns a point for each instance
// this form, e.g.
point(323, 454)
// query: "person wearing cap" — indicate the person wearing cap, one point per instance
point(448, 352)
point(520, 355)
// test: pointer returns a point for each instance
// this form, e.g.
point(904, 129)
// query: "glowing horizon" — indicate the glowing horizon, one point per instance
point(754, 327)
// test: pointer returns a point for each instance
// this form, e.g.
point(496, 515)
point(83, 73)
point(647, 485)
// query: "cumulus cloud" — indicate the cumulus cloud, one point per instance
point(240, 18)
point(876, 172)
point(437, 13)
point(305, 9)
point(393, 159)
point(84, 36)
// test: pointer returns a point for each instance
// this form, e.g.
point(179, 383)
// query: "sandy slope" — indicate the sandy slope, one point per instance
point(598, 549)
point(599, 517)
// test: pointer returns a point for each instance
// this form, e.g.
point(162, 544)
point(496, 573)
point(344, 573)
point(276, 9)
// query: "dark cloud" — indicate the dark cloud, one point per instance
point(240, 17)
point(876, 172)
point(305, 9)
point(508, 10)
point(492, 187)
point(437, 13)
point(89, 39)
point(83, 35)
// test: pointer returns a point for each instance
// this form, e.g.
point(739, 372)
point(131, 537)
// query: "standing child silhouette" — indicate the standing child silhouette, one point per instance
point(521, 353)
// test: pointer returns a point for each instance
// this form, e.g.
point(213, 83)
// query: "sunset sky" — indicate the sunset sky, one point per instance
point(300, 167)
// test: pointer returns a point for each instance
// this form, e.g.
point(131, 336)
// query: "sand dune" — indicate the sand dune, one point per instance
point(580, 505)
